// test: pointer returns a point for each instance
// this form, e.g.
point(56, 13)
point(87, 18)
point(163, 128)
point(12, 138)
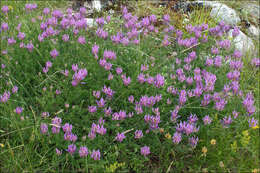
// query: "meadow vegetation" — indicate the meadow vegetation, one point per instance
point(140, 91)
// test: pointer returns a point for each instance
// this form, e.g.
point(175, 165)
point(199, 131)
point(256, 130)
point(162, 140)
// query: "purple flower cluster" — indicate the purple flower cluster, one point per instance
point(248, 103)
point(78, 76)
point(145, 150)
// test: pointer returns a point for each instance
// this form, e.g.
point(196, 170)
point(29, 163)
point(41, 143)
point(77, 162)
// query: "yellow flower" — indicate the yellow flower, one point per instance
point(255, 127)
point(213, 142)
point(204, 150)
point(2, 145)
point(245, 139)
point(234, 146)
point(168, 135)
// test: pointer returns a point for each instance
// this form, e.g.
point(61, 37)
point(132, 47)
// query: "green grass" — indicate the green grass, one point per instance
point(24, 149)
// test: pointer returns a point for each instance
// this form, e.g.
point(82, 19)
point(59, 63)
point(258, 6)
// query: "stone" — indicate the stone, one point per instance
point(90, 22)
point(222, 11)
point(253, 10)
point(253, 31)
point(243, 43)
point(96, 4)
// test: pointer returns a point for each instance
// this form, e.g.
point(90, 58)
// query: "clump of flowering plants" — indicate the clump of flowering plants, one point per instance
point(96, 96)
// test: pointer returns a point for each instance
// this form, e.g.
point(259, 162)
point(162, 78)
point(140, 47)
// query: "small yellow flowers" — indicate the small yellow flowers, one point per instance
point(204, 151)
point(213, 142)
point(2, 145)
point(234, 146)
point(245, 139)
point(168, 135)
point(113, 167)
point(255, 127)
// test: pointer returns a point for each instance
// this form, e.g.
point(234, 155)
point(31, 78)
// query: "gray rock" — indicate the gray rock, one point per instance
point(96, 4)
point(222, 11)
point(253, 10)
point(254, 32)
point(90, 22)
point(242, 42)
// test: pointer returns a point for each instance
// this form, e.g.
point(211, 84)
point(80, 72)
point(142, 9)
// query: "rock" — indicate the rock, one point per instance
point(253, 10)
point(242, 42)
point(222, 11)
point(218, 10)
point(253, 31)
point(96, 4)
point(90, 22)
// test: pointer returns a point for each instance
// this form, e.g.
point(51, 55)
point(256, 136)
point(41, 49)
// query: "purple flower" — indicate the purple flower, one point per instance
point(48, 64)
point(131, 99)
point(101, 103)
point(81, 40)
point(141, 78)
point(226, 121)
point(45, 114)
point(5, 9)
point(108, 111)
point(192, 118)
point(45, 69)
point(96, 94)
point(237, 54)
point(138, 134)
point(67, 128)
point(79, 76)
point(21, 35)
point(46, 11)
point(11, 41)
point(145, 150)
point(95, 154)
point(29, 47)
point(120, 137)
point(101, 130)
point(83, 151)
point(235, 32)
point(14, 89)
point(54, 53)
point(127, 80)
point(159, 81)
point(108, 91)
point(65, 37)
point(119, 70)
point(74, 67)
point(19, 110)
point(44, 128)
point(176, 138)
point(71, 149)
point(182, 97)
point(92, 109)
point(207, 120)
point(193, 141)
point(58, 152)
point(220, 104)
point(166, 18)
point(255, 62)
point(95, 49)
point(109, 55)
point(253, 122)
